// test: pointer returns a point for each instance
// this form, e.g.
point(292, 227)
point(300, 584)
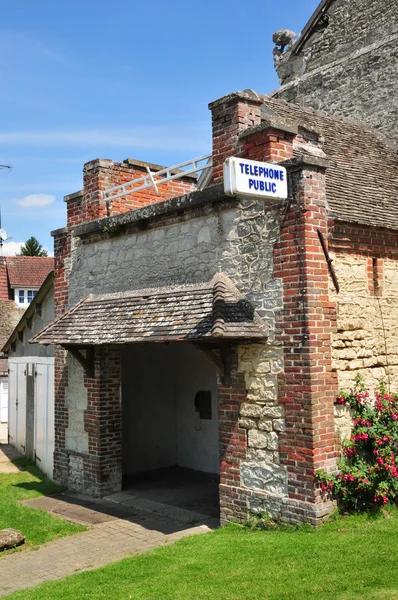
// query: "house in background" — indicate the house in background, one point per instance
point(20, 279)
point(25, 274)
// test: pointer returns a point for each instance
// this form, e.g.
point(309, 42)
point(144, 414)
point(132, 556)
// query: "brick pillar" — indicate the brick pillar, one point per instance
point(61, 416)
point(308, 386)
point(233, 445)
point(231, 116)
point(102, 422)
point(98, 176)
point(4, 293)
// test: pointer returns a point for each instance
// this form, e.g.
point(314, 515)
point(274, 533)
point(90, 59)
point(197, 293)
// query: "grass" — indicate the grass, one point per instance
point(37, 526)
point(352, 558)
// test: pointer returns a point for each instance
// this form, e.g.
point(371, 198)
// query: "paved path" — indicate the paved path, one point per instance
point(120, 527)
point(7, 454)
point(103, 544)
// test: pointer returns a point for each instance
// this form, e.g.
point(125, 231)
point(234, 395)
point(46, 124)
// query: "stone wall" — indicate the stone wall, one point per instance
point(366, 339)
point(263, 419)
point(238, 241)
point(342, 64)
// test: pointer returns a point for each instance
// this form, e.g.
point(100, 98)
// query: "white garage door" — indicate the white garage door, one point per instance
point(4, 400)
point(44, 418)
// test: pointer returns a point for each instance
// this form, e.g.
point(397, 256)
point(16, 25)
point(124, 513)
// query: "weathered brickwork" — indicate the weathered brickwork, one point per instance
point(99, 175)
point(348, 55)
point(366, 337)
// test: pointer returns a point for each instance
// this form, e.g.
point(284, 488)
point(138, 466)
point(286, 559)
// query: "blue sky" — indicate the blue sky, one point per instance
point(89, 79)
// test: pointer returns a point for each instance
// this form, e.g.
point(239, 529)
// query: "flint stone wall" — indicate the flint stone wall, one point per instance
point(340, 66)
point(238, 242)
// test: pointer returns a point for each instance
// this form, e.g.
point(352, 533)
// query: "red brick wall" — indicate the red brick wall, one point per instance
point(308, 387)
point(268, 145)
point(231, 116)
point(233, 445)
point(102, 422)
point(61, 419)
point(61, 254)
point(363, 240)
point(4, 290)
point(100, 175)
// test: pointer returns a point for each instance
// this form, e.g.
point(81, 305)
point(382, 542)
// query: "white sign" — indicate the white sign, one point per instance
point(255, 179)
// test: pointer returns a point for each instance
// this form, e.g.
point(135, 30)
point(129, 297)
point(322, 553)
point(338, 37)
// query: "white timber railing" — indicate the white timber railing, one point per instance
point(156, 178)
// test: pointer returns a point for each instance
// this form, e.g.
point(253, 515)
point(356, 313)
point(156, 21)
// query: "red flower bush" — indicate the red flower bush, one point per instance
point(368, 469)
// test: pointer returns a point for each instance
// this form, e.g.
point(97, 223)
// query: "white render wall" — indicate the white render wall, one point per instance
point(160, 425)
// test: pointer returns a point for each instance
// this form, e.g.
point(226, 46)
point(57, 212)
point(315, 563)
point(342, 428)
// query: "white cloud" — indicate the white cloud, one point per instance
point(34, 200)
point(194, 138)
point(12, 248)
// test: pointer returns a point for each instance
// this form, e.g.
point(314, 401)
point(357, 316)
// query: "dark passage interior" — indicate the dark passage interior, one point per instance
point(170, 428)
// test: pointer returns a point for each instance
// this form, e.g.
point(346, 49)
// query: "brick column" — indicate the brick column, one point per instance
point(231, 115)
point(4, 293)
point(103, 418)
point(61, 416)
point(308, 386)
point(233, 445)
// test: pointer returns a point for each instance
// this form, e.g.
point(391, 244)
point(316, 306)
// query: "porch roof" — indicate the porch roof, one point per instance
point(206, 311)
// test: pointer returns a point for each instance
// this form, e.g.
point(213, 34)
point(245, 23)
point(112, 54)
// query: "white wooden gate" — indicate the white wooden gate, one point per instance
point(17, 404)
point(43, 368)
point(3, 399)
point(44, 417)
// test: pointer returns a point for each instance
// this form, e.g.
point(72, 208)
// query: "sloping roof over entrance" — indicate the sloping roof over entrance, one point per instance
point(214, 310)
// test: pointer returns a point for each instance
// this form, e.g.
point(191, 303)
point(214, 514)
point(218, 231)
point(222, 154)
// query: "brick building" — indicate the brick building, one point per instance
point(213, 332)
point(345, 62)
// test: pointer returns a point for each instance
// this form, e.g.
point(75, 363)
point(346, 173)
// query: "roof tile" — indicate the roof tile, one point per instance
point(214, 310)
point(28, 271)
point(362, 179)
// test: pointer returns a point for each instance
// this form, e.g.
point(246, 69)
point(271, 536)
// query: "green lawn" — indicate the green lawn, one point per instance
point(352, 558)
point(37, 525)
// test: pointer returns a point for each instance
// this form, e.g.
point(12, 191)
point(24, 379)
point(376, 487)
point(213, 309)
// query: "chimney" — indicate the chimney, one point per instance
point(231, 116)
point(244, 126)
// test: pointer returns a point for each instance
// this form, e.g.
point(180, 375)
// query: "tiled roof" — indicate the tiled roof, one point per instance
point(25, 271)
point(362, 179)
point(214, 310)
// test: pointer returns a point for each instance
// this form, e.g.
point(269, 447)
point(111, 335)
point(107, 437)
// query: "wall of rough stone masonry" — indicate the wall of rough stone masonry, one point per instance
point(76, 438)
point(236, 241)
point(348, 68)
point(366, 339)
point(263, 418)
